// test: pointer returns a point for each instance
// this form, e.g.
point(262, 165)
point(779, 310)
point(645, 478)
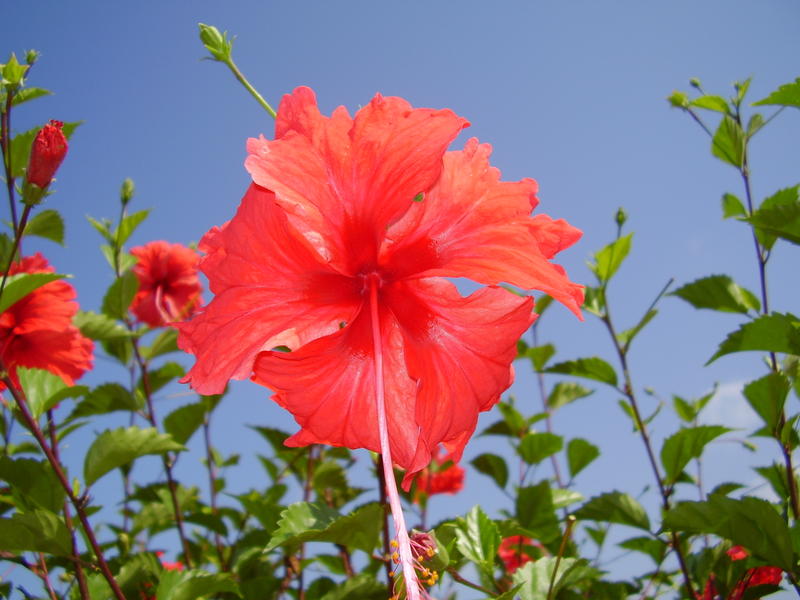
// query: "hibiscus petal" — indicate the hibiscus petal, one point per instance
point(329, 387)
point(347, 180)
point(272, 289)
point(459, 350)
point(473, 225)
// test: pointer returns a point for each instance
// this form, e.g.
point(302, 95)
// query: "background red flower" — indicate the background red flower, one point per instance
point(37, 331)
point(169, 287)
point(512, 552)
point(437, 479)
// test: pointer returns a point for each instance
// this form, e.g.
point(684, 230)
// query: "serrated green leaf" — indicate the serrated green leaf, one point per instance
point(20, 285)
point(535, 447)
point(786, 95)
point(684, 409)
point(119, 296)
point(360, 587)
point(33, 483)
point(563, 497)
point(732, 207)
point(718, 292)
point(778, 217)
point(494, 466)
point(99, 327)
point(158, 378)
point(654, 548)
point(165, 342)
point(194, 584)
point(615, 507)
point(710, 102)
point(769, 333)
point(28, 93)
point(103, 228)
point(118, 447)
point(509, 595)
point(726, 488)
point(749, 522)
point(478, 539)
point(566, 392)
point(729, 142)
point(626, 337)
point(538, 355)
point(35, 531)
point(755, 124)
point(307, 521)
point(594, 301)
point(513, 418)
point(608, 260)
point(580, 454)
point(590, 368)
point(47, 224)
point(43, 390)
point(684, 445)
point(767, 396)
point(182, 422)
point(128, 226)
point(535, 577)
point(536, 512)
point(104, 399)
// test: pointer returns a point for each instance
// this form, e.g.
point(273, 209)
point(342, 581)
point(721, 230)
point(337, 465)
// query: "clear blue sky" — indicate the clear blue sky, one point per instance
point(570, 93)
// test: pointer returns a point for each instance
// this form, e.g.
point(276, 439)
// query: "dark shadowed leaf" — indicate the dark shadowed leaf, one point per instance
point(36, 531)
point(769, 333)
point(494, 466)
point(778, 216)
point(767, 397)
point(615, 507)
point(33, 483)
point(182, 422)
point(118, 447)
point(718, 292)
point(47, 224)
point(652, 547)
point(535, 447)
point(749, 522)
point(158, 378)
point(565, 392)
point(536, 513)
point(105, 398)
point(589, 368)
point(119, 296)
point(360, 587)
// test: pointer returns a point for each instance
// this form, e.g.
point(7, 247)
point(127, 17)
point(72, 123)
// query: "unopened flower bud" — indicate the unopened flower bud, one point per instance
point(47, 152)
point(126, 193)
point(215, 42)
point(31, 56)
point(695, 82)
point(679, 100)
point(621, 217)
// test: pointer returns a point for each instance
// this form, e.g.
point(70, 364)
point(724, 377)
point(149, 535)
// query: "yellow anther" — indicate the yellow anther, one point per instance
point(395, 556)
point(394, 544)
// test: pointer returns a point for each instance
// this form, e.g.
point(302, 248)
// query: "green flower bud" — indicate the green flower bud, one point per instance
point(215, 42)
point(695, 82)
point(126, 193)
point(679, 100)
point(621, 217)
point(31, 56)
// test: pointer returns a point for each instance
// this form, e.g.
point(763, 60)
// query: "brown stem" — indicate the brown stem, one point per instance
point(45, 575)
point(165, 459)
point(77, 503)
point(76, 557)
point(5, 143)
point(460, 579)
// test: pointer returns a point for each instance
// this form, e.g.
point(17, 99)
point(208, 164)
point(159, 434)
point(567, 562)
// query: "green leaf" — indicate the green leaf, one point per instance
point(732, 207)
point(44, 390)
point(535, 577)
point(28, 93)
point(729, 142)
point(158, 378)
point(47, 224)
point(128, 226)
point(494, 466)
point(104, 399)
point(786, 95)
point(33, 483)
point(517, 424)
point(307, 521)
point(626, 337)
point(166, 342)
point(769, 333)
point(655, 549)
point(767, 396)
point(194, 584)
point(118, 447)
point(360, 587)
point(536, 512)
point(535, 447)
point(182, 422)
point(778, 216)
point(119, 296)
point(749, 522)
point(594, 301)
point(20, 285)
point(580, 454)
point(566, 392)
point(99, 327)
point(755, 124)
point(478, 539)
point(615, 507)
point(608, 260)
point(509, 595)
point(718, 292)
point(590, 368)
point(564, 497)
point(538, 355)
point(709, 102)
point(684, 445)
point(35, 531)
point(103, 228)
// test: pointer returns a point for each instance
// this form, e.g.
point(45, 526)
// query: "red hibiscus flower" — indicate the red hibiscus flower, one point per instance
point(47, 152)
point(753, 577)
point(512, 552)
point(434, 479)
point(37, 331)
point(337, 252)
point(169, 287)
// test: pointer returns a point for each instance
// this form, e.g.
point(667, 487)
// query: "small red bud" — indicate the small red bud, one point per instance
point(47, 152)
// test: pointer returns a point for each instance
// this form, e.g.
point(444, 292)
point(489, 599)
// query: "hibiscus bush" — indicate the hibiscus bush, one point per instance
point(332, 286)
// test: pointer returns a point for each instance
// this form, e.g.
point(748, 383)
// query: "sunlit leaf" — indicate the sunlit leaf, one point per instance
point(566, 392)
point(47, 224)
point(710, 102)
point(608, 260)
point(535, 577)
point(20, 285)
point(33, 482)
point(99, 327)
point(106, 398)
point(590, 368)
point(769, 333)
point(729, 142)
point(580, 454)
point(732, 207)
point(779, 216)
point(44, 391)
point(492, 465)
point(119, 296)
point(786, 95)
point(478, 539)
point(535, 447)
point(684, 445)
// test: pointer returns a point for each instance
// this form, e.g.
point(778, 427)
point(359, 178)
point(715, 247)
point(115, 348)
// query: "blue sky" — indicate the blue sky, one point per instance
point(570, 93)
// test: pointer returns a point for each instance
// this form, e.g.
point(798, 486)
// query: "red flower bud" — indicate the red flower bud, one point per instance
point(47, 152)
